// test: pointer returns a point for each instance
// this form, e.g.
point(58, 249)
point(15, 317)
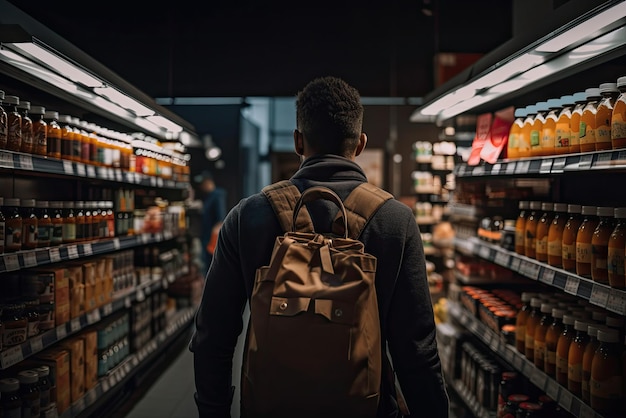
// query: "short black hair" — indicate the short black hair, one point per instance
point(329, 114)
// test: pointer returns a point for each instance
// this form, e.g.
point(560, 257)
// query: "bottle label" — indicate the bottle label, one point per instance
point(44, 232)
point(3, 128)
point(603, 134)
point(575, 372)
point(548, 138)
point(554, 248)
point(615, 261)
point(583, 252)
point(561, 365)
point(540, 353)
point(14, 336)
point(610, 388)
point(562, 135)
point(57, 233)
point(599, 256)
point(535, 139)
point(569, 252)
point(13, 235)
point(513, 141)
point(542, 245)
point(69, 232)
point(618, 129)
point(29, 233)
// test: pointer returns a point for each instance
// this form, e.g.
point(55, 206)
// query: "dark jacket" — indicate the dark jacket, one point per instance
point(246, 242)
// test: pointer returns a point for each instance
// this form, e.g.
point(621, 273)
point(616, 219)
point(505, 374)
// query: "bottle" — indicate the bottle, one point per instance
point(27, 127)
point(31, 311)
point(54, 134)
point(552, 338)
point(4, 124)
point(110, 218)
point(81, 233)
point(40, 130)
point(606, 388)
point(10, 400)
point(541, 331)
point(68, 142)
point(548, 132)
point(618, 117)
point(69, 223)
point(583, 240)
point(44, 224)
point(512, 151)
point(570, 231)
point(534, 317)
point(520, 224)
point(85, 150)
point(2, 232)
point(530, 229)
point(520, 321)
point(56, 216)
point(587, 131)
point(29, 224)
point(541, 235)
point(563, 127)
point(29, 392)
point(536, 130)
point(617, 251)
point(13, 225)
point(590, 349)
point(604, 113)
point(575, 357)
point(600, 245)
point(14, 123)
point(580, 100)
point(524, 143)
point(562, 347)
point(555, 235)
point(43, 371)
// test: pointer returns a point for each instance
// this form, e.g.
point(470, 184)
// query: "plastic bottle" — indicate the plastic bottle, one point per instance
point(552, 338)
point(10, 400)
point(600, 245)
point(604, 113)
point(13, 225)
point(520, 224)
point(570, 231)
point(555, 235)
point(29, 224)
point(530, 229)
point(541, 235)
point(54, 134)
point(580, 100)
point(583, 240)
point(3, 123)
point(56, 216)
point(27, 127)
point(29, 392)
point(44, 223)
point(524, 144)
point(617, 251)
point(520, 321)
point(606, 388)
point(14, 123)
point(514, 133)
point(618, 117)
point(587, 131)
point(590, 350)
point(541, 330)
point(563, 128)
point(575, 357)
point(40, 130)
point(536, 131)
point(548, 132)
point(531, 324)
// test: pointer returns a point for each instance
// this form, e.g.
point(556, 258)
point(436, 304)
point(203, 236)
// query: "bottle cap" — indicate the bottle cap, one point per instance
point(589, 210)
point(580, 97)
point(28, 203)
point(535, 205)
point(560, 207)
point(520, 112)
point(593, 92)
point(605, 211)
point(37, 110)
point(11, 201)
point(608, 335)
point(12, 100)
point(572, 208)
point(614, 322)
point(68, 205)
point(608, 88)
point(567, 100)
point(558, 313)
point(42, 370)
point(620, 213)
point(621, 82)
point(592, 329)
point(531, 110)
point(65, 118)
point(542, 106)
point(42, 204)
point(523, 204)
point(56, 204)
point(570, 318)
point(547, 206)
point(536, 302)
point(24, 105)
point(51, 114)
point(554, 104)
point(547, 308)
point(581, 325)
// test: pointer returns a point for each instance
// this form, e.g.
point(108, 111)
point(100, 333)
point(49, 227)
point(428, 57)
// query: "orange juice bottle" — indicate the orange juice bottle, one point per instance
point(520, 225)
point(563, 128)
point(552, 338)
point(600, 245)
point(523, 143)
point(520, 321)
point(590, 349)
point(562, 347)
point(575, 356)
point(541, 234)
point(568, 243)
point(618, 117)
point(530, 229)
point(514, 133)
point(536, 130)
point(555, 235)
point(617, 251)
point(580, 100)
point(532, 322)
point(583, 240)
point(540, 334)
point(606, 387)
point(604, 113)
point(587, 131)
point(548, 132)
point(54, 134)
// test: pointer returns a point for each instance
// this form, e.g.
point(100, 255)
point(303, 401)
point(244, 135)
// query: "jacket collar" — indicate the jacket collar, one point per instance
point(329, 167)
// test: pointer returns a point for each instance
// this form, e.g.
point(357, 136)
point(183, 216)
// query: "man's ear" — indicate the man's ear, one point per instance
point(298, 142)
point(362, 143)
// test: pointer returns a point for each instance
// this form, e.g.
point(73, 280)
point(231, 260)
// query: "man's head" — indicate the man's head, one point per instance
point(329, 117)
point(206, 182)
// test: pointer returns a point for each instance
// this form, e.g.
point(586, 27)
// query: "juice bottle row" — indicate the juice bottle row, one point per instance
point(592, 120)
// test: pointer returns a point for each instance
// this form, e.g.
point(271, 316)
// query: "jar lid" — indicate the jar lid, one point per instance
point(620, 213)
point(28, 203)
point(37, 110)
point(608, 88)
point(589, 210)
point(28, 376)
point(524, 204)
point(621, 82)
point(535, 205)
point(51, 114)
point(9, 384)
point(567, 100)
point(12, 100)
point(43, 370)
point(560, 207)
point(42, 204)
point(605, 211)
point(11, 201)
point(580, 97)
point(547, 206)
point(592, 92)
point(24, 105)
point(572, 208)
point(608, 335)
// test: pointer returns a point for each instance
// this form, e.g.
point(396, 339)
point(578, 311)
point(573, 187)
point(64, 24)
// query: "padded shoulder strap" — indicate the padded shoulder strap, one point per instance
point(283, 197)
point(362, 203)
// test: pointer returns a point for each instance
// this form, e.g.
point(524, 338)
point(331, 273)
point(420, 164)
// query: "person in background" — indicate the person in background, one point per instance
point(329, 117)
point(213, 213)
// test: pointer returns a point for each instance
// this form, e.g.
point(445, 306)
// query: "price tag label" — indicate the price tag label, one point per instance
point(102, 172)
point(616, 302)
point(61, 332)
point(494, 344)
point(87, 250)
point(116, 243)
point(11, 356)
point(91, 171)
point(495, 170)
point(80, 170)
point(6, 159)
point(522, 167)
point(524, 267)
point(36, 343)
point(105, 385)
point(75, 325)
point(553, 389)
point(586, 411)
point(11, 262)
point(502, 259)
point(565, 399)
point(93, 316)
point(26, 162)
point(30, 260)
point(107, 309)
point(145, 238)
point(511, 168)
point(55, 255)
point(547, 276)
point(533, 270)
point(558, 164)
point(518, 363)
point(515, 264)
point(72, 251)
point(585, 161)
point(603, 159)
point(571, 285)
point(68, 168)
point(119, 176)
point(546, 166)
point(478, 171)
point(484, 252)
point(599, 295)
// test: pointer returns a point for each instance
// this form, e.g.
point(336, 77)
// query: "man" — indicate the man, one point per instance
point(328, 138)
point(213, 213)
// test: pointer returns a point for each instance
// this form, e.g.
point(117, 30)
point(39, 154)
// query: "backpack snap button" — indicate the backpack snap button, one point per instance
point(338, 312)
point(283, 306)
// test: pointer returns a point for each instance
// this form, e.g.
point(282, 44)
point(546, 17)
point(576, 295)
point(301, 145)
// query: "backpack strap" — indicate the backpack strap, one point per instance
point(361, 204)
point(283, 196)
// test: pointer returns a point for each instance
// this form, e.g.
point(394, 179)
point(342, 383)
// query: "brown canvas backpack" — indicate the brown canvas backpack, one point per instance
point(313, 347)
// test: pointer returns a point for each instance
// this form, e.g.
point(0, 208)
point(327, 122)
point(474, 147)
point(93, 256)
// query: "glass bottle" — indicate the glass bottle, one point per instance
point(40, 130)
point(534, 317)
point(530, 228)
point(548, 131)
point(600, 245)
point(618, 117)
point(14, 123)
point(590, 349)
point(13, 225)
point(525, 134)
point(44, 224)
point(54, 134)
point(563, 127)
point(29, 224)
point(29, 392)
point(580, 100)
point(604, 113)
point(513, 144)
point(617, 251)
point(575, 357)
point(4, 124)
point(537, 129)
point(583, 240)
point(69, 223)
point(555, 235)
point(520, 224)
point(562, 347)
point(56, 216)
point(541, 234)
point(27, 127)
point(587, 131)
point(540, 335)
point(570, 231)
point(81, 233)
point(552, 338)
point(10, 400)
point(67, 138)
point(606, 389)
point(520, 321)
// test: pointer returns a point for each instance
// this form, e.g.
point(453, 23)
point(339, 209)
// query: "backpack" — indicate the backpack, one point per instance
point(313, 346)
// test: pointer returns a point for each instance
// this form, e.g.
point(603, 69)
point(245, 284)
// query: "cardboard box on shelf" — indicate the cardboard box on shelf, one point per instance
point(76, 347)
point(74, 273)
point(90, 341)
point(58, 359)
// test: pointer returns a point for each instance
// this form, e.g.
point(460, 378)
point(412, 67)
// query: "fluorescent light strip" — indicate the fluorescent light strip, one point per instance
point(165, 123)
point(123, 100)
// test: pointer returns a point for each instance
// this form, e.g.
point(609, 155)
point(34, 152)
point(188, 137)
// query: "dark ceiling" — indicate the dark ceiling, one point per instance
point(238, 48)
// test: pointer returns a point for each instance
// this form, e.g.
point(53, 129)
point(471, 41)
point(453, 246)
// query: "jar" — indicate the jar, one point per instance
point(15, 324)
point(604, 113)
point(541, 234)
point(530, 229)
point(575, 357)
point(44, 224)
point(568, 244)
point(81, 233)
point(54, 134)
point(536, 130)
point(27, 127)
point(552, 338)
point(583, 240)
point(56, 217)
point(29, 392)
point(563, 129)
point(2, 226)
point(29, 224)
point(512, 151)
point(525, 134)
point(529, 410)
point(580, 100)
point(14, 123)
point(13, 225)
point(540, 335)
point(587, 131)
point(534, 317)
point(4, 124)
point(520, 224)
point(617, 250)
point(69, 223)
point(512, 404)
point(40, 130)
point(590, 350)
point(618, 117)
point(606, 389)
point(600, 245)
point(548, 131)
point(31, 311)
point(509, 383)
point(555, 235)
point(562, 348)
point(10, 400)
point(44, 385)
